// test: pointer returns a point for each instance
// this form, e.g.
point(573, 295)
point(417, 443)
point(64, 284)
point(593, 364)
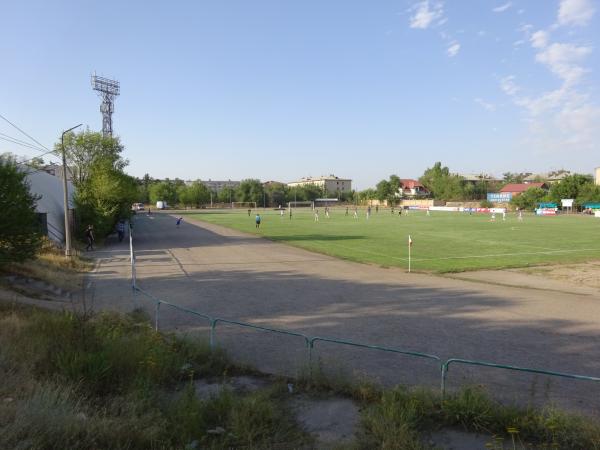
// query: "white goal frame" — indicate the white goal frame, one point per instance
point(301, 204)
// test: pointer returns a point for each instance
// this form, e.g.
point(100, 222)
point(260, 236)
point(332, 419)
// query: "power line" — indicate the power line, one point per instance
point(33, 139)
point(15, 139)
point(19, 142)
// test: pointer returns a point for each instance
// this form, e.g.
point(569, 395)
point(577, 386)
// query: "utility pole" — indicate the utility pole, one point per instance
point(66, 193)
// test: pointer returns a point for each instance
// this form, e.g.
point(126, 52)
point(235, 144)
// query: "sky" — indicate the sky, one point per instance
point(282, 89)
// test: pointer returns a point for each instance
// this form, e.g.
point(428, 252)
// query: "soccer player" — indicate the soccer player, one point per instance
point(257, 220)
point(316, 215)
point(346, 210)
point(355, 212)
point(520, 216)
point(493, 219)
point(504, 216)
point(327, 212)
point(179, 221)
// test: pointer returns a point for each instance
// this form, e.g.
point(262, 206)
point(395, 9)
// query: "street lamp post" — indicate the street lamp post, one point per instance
point(66, 193)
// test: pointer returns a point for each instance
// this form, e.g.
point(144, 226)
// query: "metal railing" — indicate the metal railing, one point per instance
point(310, 341)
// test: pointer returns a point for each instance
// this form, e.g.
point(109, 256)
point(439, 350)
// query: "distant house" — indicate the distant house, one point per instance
point(547, 177)
point(50, 204)
point(57, 170)
point(330, 184)
point(218, 186)
point(412, 188)
point(271, 183)
point(518, 188)
point(474, 178)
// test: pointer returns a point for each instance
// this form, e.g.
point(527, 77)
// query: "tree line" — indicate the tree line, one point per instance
point(196, 194)
point(447, 186)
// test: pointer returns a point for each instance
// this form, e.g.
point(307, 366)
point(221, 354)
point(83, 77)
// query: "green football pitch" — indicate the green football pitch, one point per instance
point(442, 242)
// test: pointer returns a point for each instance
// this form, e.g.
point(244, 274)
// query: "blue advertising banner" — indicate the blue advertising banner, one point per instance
point(499, 197)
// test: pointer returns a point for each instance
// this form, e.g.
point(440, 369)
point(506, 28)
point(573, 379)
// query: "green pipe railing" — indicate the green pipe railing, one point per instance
point(446, 367)
point(311, 340)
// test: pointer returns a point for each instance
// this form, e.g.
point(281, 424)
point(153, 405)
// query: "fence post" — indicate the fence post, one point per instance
point(310, 344)
point(213, 324)
point(132, 257)
point(443, 386)
point(156, 311)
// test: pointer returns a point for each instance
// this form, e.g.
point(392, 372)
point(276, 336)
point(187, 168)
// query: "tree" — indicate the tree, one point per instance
point(276, 194)
point(383, 190)
point(250, 190)
point(144, 189)
point(387, 189)
point(442, 184)
point(589, 193)
point(529, 199)
point(20, 236)
point(227, 195)
point(105, 196)
point(164, 191)
point(510, 177)
point(193, 195)
point(84, 148)
point(571, 186)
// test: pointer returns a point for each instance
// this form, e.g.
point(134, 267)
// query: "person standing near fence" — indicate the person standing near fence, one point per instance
point(121, 229)
point(89, 236)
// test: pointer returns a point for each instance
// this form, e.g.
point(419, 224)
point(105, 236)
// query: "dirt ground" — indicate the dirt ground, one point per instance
point(572, 275)
point(516, 317)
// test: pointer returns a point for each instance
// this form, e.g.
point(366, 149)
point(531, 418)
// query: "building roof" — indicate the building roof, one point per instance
point(478, 177)
point(408, 183)
point(550, 176)
point(321, 178)
point(521, 187)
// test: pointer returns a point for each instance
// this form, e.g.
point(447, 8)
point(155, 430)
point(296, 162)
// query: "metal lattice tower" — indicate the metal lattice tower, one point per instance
point(107, 90)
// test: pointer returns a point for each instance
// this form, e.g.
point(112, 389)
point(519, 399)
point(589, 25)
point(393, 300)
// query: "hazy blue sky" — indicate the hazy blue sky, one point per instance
point(282, 89)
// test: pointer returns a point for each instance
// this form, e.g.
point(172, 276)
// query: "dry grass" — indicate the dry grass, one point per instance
point(111, 381)
point(52, 267)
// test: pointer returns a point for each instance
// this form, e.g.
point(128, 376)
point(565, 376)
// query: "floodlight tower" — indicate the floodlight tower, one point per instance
point(108, 90)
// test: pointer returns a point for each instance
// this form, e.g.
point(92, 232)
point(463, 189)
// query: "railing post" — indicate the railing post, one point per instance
point(156, 311)
point(132, 257)
point(443, 386)
point(310, 344)
point(211, 336)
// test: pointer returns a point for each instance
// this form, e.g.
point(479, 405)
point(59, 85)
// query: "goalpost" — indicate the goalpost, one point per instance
point(243, 205)
point(299, 204)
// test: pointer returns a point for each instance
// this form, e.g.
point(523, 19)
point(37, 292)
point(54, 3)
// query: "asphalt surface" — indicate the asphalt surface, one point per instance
point(229, 274)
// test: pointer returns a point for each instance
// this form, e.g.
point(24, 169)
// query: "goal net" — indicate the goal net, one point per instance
point(298, 204)
point(243, 205)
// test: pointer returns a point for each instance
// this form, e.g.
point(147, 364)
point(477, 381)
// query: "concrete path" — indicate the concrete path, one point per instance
point(230, 274)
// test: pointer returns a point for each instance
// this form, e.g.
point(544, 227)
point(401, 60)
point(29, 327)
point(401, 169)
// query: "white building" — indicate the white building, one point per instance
point(49, 205)
point(331, 184)
point(218, 186)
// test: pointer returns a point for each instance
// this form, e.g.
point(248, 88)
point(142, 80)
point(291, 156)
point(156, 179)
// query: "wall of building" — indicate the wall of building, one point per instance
point(50, 190)
point(421, 202)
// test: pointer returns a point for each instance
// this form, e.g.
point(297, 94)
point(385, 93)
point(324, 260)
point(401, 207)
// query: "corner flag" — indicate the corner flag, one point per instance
point(409, 247)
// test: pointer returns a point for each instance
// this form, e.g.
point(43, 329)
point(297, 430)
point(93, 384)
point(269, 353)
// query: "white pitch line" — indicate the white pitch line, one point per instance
point(510, 254)
point(468, 256)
